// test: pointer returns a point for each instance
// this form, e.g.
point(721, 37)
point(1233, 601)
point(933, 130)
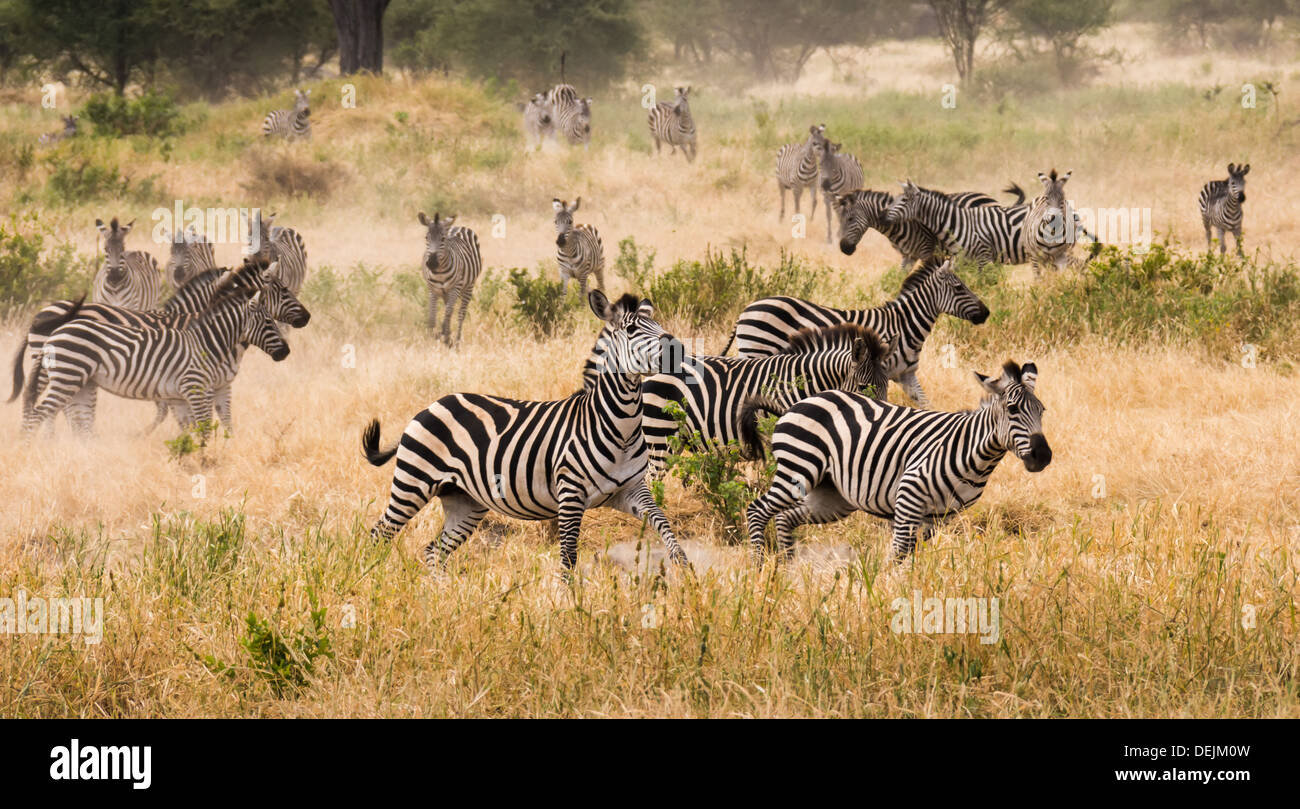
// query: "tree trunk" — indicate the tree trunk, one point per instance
point(360, 25)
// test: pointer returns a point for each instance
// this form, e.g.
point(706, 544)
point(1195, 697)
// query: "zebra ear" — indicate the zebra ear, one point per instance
point(891, 345)
point(1232, 168)
point(424, 220)
point(99, 223)
point(127, 227)
point(861, 351)
point(1066, 176)
point(576, 203)
point(600, 305)
point(645, 308)
point(1029, 376)
point(557, 205)
point(991, 384)
point(1245, 170)
point(447, 222)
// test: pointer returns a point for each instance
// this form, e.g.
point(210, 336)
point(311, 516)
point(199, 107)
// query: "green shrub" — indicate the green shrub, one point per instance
point(31, 272)
point(152, 114)
point(541, 305)
point(285, 660)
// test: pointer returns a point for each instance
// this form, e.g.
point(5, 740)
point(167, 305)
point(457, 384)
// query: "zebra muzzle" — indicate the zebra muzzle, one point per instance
point(847, 247)
point(1040, 454)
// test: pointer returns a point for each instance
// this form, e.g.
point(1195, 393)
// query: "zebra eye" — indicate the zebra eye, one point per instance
point(1013, 409)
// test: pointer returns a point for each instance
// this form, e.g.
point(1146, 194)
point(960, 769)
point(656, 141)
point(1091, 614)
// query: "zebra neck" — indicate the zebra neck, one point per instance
point(984, 450)
point(913, 314)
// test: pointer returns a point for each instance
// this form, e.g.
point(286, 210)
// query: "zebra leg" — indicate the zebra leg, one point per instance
point(912, 386)
point(781, 216)
point(783, 496)
point(824, 505)
point(828, 207)
point(812, 199)
point(911, 521)
point(640, 503)
point(460, 321)
point(1209, 240)
point(463, 514)
point(1223, 241)
point(59, 390)
point(1237, 235)
point(161, 410)
point(80, 410)
point(448, 304)
point(221, 399)
point(432, 322)
point(572, 507)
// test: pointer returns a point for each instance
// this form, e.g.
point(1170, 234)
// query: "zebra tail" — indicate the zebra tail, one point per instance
point(50, 326)
point(727, 347)
point(1017, 191)
point(751, 442)
point(370, 445)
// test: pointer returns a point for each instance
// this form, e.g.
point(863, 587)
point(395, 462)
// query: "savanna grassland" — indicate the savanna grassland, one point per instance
point(1151, 570)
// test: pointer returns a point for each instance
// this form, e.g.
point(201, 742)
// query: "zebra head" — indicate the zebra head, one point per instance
point(816, 135)
point(940, 284)
point(180, 265)
point(114, 250)
point(261, 330)
point(1052, 203)
point(435, 234)
point(858, 211)
point(279, 301)
point(904, 205)
point(564, 219)
point(538, 102)
point(69, 126)
point(259, 235)
point(300, 105)
point(258, 295)
point(1237, 182)
point(583, 122)
point(632, 342)
point(1017, 414)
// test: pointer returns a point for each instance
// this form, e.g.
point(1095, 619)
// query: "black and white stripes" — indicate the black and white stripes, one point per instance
point(986, 233)
point(797, 168)
point(1220, 203)
point(840, 173)
point(578, 249)
point(128, 278)
point(671, 123)
point(290, 124)
point(450, 266)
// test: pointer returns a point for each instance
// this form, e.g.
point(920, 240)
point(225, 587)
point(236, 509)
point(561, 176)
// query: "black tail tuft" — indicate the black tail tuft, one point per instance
point(370, 445)
point(18, 370)
point(46, 328)
point(751, 441)
point(1016, 191)
point(727, 347)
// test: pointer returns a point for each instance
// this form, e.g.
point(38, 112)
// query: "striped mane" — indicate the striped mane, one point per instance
point(839, 336)
point(917, 278)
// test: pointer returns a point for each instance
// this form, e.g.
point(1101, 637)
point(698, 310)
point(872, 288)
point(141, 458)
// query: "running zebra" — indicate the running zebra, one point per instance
point(450, 266)
point(579, 252)
point(1051, 225)
point(837, 453)
point(128, 278)
point(534, 460)
point(281, 246)
point(191, 254)
point(189, 301)
point(672, 124)
point(768, 325)
point(711, 390)
point(69, 130)
point(182, 367)
point(1220, 204)
point(860, 210)
point(987, 234)
point(539, 124)
point(797, 168)
point(840, 173)
point(290, 124)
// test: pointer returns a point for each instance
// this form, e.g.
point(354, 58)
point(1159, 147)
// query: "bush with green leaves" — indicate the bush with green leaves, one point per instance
point(153, 114)
point(284, 659)
point(32, 271)
point(541, 305)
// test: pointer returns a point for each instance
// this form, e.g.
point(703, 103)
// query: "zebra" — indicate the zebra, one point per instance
point(539, 123)
point(281, 246)
point(1220, 203)
point(534, 460)
point(579, 251)
point(767, 325)
point(672, 124)
point(128, 278)
point(987, 234)
point(290, 124)
point(191, 254)
point(189, 301)
point(797, 168)
point(560, 96)
point(1049, 237)
point(838, 452)
point(574, 121)
point(450, 266)
point(862, 209)
point(840, 173)
point(182, 367)
point(69, 131)
point(711, 390)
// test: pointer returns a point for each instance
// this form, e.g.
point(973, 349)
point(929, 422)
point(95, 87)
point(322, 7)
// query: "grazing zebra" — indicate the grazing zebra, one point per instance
point(534, 460)
point(840, 173)
point(182, 367)
point(290, 124)
point(987, 233)
point(579, 251)
point(859, 210)
point(1220, 204)
point(768, 325)
point(837, 453)
point(672, 124)
point(450, 266)
point(69, 130)
point(191, 254)
point(128, 278)
point(539, 123)
point(797, 168)
point(189, 301)
point(1048, 236)
point(712, 390)
point(281, 246)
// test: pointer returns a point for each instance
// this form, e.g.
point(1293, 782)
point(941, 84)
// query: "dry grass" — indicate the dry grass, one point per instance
point(1130, 603)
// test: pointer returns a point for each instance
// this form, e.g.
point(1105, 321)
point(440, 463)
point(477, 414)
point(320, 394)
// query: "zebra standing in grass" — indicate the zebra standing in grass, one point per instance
point(840, 173)
point(69, 131)
point(987, 234)
point(1050, 225)
point(837, 453)
point(539, 123)
point(290, 124)
point(768, 325)
point(571, 115)
point(281, 246)
point(860, 210)
point(128, 278)
point(1220, 203)
point(182, 367)
point(191, 254)
point(579, 251)
point(534, 460)
point(450, 266)
point(797, 168)
point(672, 124)
point(182, 308)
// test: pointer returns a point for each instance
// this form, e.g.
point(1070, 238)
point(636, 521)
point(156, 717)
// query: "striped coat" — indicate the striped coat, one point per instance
point(451, 265)
point(128, 278)
point(861, 210)
point(672, 123)
point(840, 173)
point(797, 168)
point(579, 251)
point(987, 234)
point(294, 124)
point(1220, 204)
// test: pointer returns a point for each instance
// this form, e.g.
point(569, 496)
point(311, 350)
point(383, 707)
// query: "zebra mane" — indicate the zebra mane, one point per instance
point(920, 275)
point(1012, 369)
point(627, 302)
point(807, 341)
point(240, 283)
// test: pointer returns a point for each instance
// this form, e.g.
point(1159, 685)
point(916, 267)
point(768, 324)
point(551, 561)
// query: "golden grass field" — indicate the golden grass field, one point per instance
point(1151, 570)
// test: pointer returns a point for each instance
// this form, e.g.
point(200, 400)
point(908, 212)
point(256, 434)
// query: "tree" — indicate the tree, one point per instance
point(110, 42)
point(961, 22)
point(1061, 24)
point(778, 37)
point(360, 25)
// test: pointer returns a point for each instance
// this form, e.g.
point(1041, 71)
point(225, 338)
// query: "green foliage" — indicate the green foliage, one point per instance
point(31, 271)
point(364, 297)
point(541, 305)
point(286, 660)
point(189, 555)
point(153, 114)
point(714, 471)
point(191, 440)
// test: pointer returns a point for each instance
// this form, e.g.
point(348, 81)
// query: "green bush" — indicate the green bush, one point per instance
point(153, 114)
point(31, 272)
point(541, 305)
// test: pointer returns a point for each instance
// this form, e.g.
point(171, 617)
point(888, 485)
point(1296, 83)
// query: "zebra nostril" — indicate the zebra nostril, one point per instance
point(559, 240)
point(980, 316)
point(847, 247)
